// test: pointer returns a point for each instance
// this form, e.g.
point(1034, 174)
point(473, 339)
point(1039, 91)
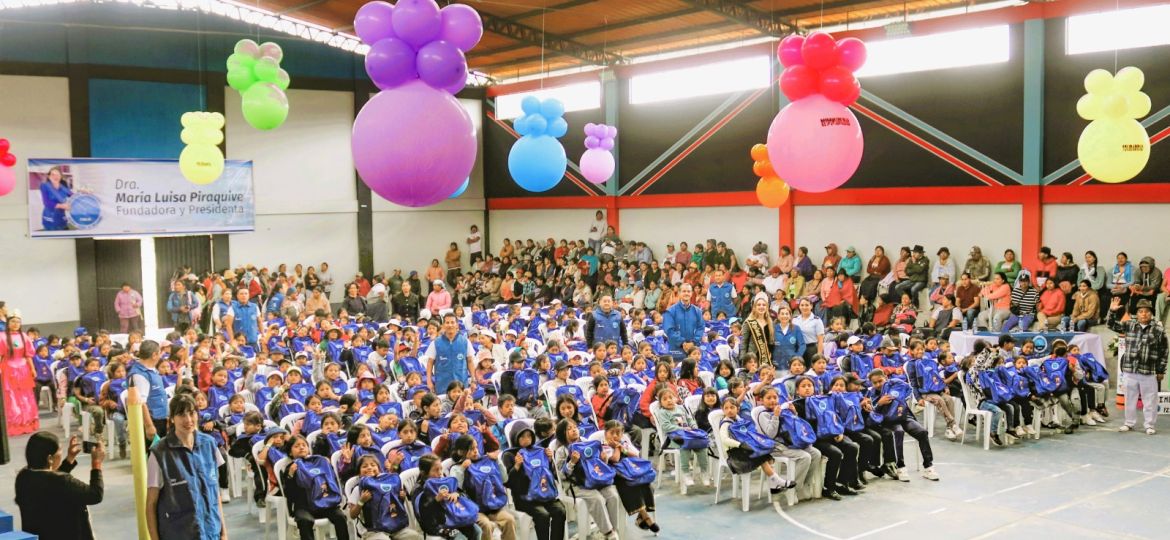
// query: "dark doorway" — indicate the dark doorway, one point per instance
point(117, 262)
point(171, 254)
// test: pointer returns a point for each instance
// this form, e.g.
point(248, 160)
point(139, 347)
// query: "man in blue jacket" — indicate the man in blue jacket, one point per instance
point(605, 324)
point(683, 323)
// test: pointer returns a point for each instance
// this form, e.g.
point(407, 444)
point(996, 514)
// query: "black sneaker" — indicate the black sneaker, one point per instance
point(830, 494)
point(845, 490)
point(857, 486)
point(1069, 429)
point(995, 439)
point(892, 470)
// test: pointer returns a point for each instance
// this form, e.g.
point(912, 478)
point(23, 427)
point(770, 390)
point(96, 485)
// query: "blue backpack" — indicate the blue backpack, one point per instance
point(745, 432)
point(595, 472)
point(635, 471)
point(1042, 383)
point(411, 453)
point(410, 364)
point(389, 406)
point(311, 422)
point(1057, 368)
point(462, 512)
point(1094, 371)
point(315, 474)
point(861, 364)
point(659, 345)
point(690, 439)
point(929, 375)
point(583, 406)
point(896, 409)
point(542, 485)
point(487, 485)
point(994, 390)
point(848, 406)
point(799, 430)
point(385, 512)
point(822, 409)
point(333, 350)
point(1016, 383)
point(91, 383)
point(623, 405)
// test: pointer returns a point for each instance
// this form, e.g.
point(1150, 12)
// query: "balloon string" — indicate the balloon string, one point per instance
point(543, 74)
point(1116, 9)
point(199, 43)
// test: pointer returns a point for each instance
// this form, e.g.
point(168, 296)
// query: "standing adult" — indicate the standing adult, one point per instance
point(55, 196)
point(16, 366)
point(244, 318)
point(182, 304)
point(596, 231)
point(406, 302)
point(605, 324)
point(450, 355)
point(454, 266)
point(152, 392)
point(54, 504)
point(475, 245)
point(1144, 361)
point(326, 278)
point(182, 480)
point(789, 340)
point(721, 295)
point(758, 332)
point(128, 304)
point(813, 329)
point(683, 323)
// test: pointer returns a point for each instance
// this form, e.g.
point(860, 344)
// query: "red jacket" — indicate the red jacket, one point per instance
point(841, 292)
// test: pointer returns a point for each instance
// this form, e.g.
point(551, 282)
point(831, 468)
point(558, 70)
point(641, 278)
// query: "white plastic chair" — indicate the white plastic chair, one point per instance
point(692, 403)
point(289, 421)
point(321, 527)
point(930, 413)
point(660, 459)
point(707, 377)
point(409, 483)
point(743, 481)
point(971, 410)
point(273, 504)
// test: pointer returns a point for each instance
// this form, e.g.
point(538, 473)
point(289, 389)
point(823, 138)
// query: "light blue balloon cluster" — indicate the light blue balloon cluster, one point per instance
point(542, 118)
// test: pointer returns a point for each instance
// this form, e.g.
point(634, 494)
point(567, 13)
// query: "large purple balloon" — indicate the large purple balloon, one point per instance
point(441, 64)
point(461, 26)
point(417, 21)
point(390, 63)
point(373, 22)
point(413, 145)
point(597, 165)
point(815, 144)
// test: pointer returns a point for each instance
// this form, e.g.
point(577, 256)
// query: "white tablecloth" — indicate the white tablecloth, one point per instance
point(963, 343)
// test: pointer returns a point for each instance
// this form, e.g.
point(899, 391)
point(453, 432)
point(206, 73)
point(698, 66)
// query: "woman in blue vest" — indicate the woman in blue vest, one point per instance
point(182, 480)
point(789, 339)
point(55, 197)
point(451, 356)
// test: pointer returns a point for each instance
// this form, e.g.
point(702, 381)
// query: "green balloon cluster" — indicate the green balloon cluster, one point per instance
point(254, 70)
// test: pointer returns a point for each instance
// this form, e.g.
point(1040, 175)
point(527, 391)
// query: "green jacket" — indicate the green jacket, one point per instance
point(918, 271)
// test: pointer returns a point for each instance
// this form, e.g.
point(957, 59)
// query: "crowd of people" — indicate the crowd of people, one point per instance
point(547, 370)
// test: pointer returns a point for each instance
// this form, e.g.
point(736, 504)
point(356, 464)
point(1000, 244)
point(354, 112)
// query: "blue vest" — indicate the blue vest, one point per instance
point(188, 505)
point(721, 298)
point(245, 320)
point(607, 327)
point(156, 401)
point(450, 361)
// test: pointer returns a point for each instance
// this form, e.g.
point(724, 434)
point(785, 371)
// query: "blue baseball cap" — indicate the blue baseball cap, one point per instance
point(80, 331)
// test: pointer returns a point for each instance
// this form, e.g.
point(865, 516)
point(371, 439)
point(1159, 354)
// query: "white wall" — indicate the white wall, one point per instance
point(1108, 229)
point(34, 117)
point(993, 228)
point(538, 225)
point(306, 199)
point(408, 238)
point(739, 226)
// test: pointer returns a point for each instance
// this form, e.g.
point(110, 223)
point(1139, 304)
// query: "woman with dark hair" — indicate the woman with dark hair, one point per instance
point(55, 196)
point(54, 504)
point(16, 366)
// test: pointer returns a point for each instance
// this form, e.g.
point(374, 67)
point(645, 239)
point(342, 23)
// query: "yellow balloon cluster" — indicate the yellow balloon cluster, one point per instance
point(770, 190)
point(201, 161)
point(1114, 147)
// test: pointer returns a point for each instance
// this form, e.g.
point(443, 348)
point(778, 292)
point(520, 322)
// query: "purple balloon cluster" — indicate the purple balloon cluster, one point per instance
point(416, 40)
point(599, 136)
point(541, 118)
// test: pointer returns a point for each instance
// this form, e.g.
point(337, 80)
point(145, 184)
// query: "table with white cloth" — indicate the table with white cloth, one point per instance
point(963, 343)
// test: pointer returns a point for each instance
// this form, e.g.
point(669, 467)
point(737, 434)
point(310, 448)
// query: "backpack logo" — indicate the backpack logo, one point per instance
point(1041, 343)
point(386, 488)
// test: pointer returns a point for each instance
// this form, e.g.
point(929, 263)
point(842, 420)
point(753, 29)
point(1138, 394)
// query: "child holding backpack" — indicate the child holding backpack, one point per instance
point(634, 475)
point(312, 490)
point(377, 502)
point(889, 411)
point(442, 509)
point(682, 430)
point(926, 381)
point(841, 469)
point(481, 478)
point(589, 478)
point(745, 457)
point(532, 483)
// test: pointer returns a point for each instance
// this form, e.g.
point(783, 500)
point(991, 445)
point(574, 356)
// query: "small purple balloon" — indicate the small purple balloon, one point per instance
point(611, 131)
point(441, 64)
point(457, 87)
point(592, 142)
point(390, 63)
point(373, 22)
point(461, 26)
point(417, 22)
point(607, 144)
point(413, 145)
point(589, 128)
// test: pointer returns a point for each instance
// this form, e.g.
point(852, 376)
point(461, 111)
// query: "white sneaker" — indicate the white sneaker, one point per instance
point(705, 479)
point(929, 474)
point(903, 476)
point(1150, 431)
point(952, 433)
point(1020, 433)
point(688, 480)
point(1123, 429)
point(1029, 430)
point(1088, 420)
point(1097, 416)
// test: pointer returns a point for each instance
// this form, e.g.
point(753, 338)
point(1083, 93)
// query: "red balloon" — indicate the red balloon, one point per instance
point(851, 53)
point(836, 83)
point(4, 146)
point(854, 93)
point(798, 81)
point(8, 160)
point(819, 51)
point(789, 51)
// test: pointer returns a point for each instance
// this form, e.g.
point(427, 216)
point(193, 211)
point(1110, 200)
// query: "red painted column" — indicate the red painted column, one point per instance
point(611, 214)
point(787, 224)
point(1032, 230)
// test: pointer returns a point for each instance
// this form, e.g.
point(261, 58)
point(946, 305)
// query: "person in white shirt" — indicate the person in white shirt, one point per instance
point(475, 245)
point(326, 278)
point(671, 255)
point(775, 280)
point(597, 231)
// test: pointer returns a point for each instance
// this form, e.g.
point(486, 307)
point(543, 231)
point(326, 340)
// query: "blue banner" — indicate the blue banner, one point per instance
point(80, 198)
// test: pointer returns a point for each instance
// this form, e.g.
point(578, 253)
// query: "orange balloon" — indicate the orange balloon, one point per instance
point(763, 168)
point(772, 191)
point(760, 152)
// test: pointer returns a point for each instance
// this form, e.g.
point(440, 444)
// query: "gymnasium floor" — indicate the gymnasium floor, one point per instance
point(1095, 483)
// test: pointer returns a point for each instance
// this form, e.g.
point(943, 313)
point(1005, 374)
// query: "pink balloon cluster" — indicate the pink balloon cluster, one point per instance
point(597, 163)
point(819, 64)
point(599, 136)
point(7, 175)
point(416, 40)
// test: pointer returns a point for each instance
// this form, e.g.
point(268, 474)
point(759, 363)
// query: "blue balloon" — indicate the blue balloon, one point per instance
point(530, 105)
point(461, 189)
point(552, 108)
point(537, 163)
point(557, 128)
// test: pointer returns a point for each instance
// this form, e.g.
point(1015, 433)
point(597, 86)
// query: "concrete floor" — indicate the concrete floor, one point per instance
point(1095, 483)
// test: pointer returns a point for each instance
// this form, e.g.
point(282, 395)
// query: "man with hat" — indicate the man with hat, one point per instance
point(917, 274)
point(1147, 283)
point(1144, 361)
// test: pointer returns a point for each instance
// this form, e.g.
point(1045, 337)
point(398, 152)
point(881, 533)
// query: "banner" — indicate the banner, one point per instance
point(78, 198)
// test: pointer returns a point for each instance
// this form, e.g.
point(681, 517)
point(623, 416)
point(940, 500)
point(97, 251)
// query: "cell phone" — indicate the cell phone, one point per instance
point(87, 447)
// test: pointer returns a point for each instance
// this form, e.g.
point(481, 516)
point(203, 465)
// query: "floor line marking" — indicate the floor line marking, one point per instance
point(940, 510)
point(1026, 484)
point(799, 525)
point(878, 530)
point(1110, 491)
